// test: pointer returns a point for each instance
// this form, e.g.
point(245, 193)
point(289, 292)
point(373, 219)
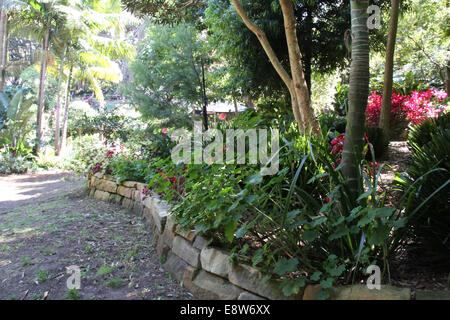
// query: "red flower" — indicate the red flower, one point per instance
point(222, 116)
point(327, 199)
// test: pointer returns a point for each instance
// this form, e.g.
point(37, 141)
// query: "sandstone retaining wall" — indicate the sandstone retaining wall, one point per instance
point(206, 271)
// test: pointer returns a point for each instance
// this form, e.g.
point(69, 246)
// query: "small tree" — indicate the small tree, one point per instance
point(389, 70)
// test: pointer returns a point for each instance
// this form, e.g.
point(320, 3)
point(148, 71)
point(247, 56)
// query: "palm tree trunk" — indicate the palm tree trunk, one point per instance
point(42, 81)
point(2, 44)
point(5, 58)
point(62, 145)
point(358, 95)
point(58, 106)
point(389, 70)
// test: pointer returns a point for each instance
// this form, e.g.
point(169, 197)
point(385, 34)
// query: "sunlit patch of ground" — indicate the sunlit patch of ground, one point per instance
point(51, 231)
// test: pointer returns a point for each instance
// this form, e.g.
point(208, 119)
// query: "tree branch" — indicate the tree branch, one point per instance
point(265, 44)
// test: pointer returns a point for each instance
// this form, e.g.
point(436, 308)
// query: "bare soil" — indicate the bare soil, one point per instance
point(47, 223)
point(413, 267)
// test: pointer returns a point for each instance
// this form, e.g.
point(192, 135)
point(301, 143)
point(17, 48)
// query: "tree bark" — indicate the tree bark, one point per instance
point(249, 102)
point(5, 58)
point(389, 71)
point(301, 105)
point(42, 80)
point(308, 50)
point(58, 106)
point(298, 76)
point(358, 95)
point(62, 145)
point(448, 78)
point(2, 45)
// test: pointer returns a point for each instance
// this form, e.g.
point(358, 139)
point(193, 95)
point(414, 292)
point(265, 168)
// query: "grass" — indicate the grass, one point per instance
point(115, 283)
point(131, 254)
point(26, 261)
point(89, 249)
point(73, 294)
point(37, 296)
point(104, 270)
point(42, 275)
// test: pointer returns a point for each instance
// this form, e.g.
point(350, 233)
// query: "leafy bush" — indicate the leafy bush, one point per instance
point(428, 179)
point(332, 122)
point(10, 164)
point(14, 130)
point(341, 99)
point(300, 225)
point(82, 154)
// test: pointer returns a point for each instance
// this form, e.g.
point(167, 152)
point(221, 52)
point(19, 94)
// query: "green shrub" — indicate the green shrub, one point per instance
point(10, 164)
point(299, 225)
point(428, 179)
point(341, 99)
point(82, 154)
point(332, 122)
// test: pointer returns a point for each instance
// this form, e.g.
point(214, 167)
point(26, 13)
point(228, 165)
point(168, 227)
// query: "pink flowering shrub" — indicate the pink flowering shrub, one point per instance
point(415, 108)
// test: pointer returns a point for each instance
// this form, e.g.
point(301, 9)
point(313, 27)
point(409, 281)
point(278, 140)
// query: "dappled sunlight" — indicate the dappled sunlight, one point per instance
point(156, 146)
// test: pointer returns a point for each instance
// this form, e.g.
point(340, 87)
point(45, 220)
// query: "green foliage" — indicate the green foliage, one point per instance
point(341, 99)
point(332, 122)
point(10, 164)
point(83, 153)
point(73, 294)
point(303, 213)
point(428, 181)
point(131, 170)
point(167, 73)
point(17, 126)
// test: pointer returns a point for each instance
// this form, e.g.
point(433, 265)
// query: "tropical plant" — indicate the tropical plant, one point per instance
point(358, 93)
point(18, 114)
point(427, 181)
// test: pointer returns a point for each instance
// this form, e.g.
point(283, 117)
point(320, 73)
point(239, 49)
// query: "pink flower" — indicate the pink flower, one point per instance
point(222, 116)
point(441, 95)
point(165, 131)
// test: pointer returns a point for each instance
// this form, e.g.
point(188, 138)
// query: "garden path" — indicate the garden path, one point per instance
point(47, 223)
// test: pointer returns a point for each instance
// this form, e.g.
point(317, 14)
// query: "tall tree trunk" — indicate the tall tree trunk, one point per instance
point(2, 44)
point(358, 95)
point(389, 70)
point(298, 76)
point(249, 102)
point(5, 58)
point(58, 105)
point(448, 77)
point(62, 145)
point(308, 49)
point(298, 90)
point(42, 80)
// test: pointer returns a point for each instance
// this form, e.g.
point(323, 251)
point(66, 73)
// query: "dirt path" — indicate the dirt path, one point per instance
point(47, 223)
